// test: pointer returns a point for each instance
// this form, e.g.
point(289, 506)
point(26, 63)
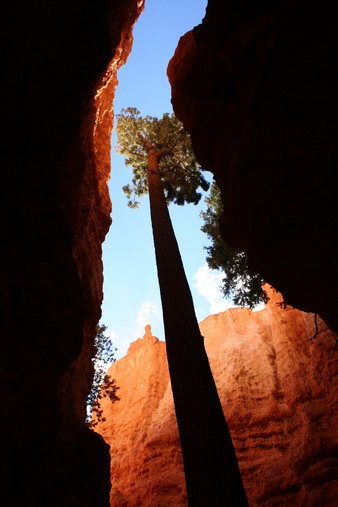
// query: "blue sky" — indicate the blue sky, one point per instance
point(131, 293)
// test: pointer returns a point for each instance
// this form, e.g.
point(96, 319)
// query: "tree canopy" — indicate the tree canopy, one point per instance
point(180, 172)
point(239, 282)
point(182, 178)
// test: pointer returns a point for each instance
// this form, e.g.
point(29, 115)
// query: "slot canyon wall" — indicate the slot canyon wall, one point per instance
point(279, 391)
point(272, 117)
point(255, 85)
point(59, 65)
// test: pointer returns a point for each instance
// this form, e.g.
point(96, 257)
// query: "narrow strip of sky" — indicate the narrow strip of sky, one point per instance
point(131, 293)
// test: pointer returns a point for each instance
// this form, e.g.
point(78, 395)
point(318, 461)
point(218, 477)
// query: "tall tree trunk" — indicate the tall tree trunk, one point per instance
point(210, 464)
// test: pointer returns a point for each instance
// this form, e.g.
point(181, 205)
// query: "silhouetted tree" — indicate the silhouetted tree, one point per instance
point(103, 385)
point(159, 151)
point(239, 282)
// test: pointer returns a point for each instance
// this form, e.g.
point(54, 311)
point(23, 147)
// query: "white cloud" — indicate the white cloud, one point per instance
point(207, 283)
point(112, 335)
point(259, 307)
point(120, 342)
point(145, 315)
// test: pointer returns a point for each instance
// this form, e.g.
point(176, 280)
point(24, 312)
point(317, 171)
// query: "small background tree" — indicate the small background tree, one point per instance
point(103, 385)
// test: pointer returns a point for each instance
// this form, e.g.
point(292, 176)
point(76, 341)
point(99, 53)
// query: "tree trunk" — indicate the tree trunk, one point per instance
point(210, 464)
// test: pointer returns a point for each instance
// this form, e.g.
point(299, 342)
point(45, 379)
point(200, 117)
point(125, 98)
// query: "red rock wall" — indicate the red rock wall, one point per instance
point(255, 84)
point(279, 391)
point(58, 67)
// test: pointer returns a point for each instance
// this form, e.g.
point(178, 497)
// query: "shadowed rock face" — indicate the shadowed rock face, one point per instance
point(59, 63)
point(58, 67)
point(255, 84)
point(278, 389)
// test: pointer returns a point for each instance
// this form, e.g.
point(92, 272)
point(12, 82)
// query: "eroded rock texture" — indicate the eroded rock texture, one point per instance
point(58, 66)
point(255, 84)
point(279, 391)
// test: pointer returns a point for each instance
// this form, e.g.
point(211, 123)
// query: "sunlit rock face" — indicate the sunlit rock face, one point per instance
point(278, 389)
point(146, 460)
point(58, 76)
point(255, 84)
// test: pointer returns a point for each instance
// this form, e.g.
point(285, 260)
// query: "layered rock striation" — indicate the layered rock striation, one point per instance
point(279, 391)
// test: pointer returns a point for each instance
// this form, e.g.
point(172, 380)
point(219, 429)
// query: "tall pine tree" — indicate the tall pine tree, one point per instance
point(160, 154)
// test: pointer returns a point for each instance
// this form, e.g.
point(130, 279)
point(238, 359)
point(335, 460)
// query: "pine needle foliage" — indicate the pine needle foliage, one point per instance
point(103, 385)
point(239, 282)
point(180, 172)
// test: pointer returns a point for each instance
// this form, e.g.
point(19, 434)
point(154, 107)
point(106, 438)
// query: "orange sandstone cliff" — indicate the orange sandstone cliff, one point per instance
point(279, 392)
